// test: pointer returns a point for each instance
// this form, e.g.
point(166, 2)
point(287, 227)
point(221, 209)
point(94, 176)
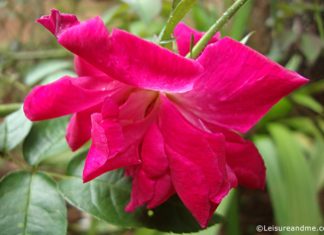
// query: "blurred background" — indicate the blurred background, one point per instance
point(290, 137)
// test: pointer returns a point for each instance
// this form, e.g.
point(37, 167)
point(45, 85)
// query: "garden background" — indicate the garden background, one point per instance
point(290, 137)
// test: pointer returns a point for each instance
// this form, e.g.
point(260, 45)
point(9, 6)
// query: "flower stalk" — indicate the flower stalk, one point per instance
point(201, 44)
point(6, 109)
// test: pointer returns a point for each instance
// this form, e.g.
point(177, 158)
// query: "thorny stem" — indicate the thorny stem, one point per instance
point(6, 109)
point(201, 44)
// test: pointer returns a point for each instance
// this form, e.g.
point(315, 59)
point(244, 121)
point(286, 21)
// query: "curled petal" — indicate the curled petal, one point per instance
point(128, 58)
point(137, 105)
point(115, 142)
point(197, 163)
point(247, 164)
point(106, 152)
point(79, 128)
point(57, 22)
point(65, 96)
point(238, 87)
point(150, 191)
point(151, 181)
point(184, 35)
point(83, 68)
point(97, 163)
point(243, 158)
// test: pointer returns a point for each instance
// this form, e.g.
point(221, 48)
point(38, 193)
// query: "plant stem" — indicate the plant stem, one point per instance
point(319, 22)
point(201, 44)
point(57, 175)
point(41, 54)
point(6, 109)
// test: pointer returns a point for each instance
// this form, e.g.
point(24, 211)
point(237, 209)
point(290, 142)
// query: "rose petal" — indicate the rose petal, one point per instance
point(79, 128)
point(97, 163)
point(83, 68)
point(152, 182)
point(238, 87)
point(65, 96)
point(183, 35)
point(243, 158)
point(137, 105)
point(197, 163)
point(115, 142)
point(128, 58)
point(57, 22)
point(107, 149)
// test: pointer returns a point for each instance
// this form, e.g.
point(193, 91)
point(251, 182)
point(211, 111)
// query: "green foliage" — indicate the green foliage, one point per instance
point(44, 69)
point(290, 182)
point(30, 205)
point(106, 198)
point(13, 130)
point(146, 9)
point(46, 139)
point(311, 46)
point(292, 140)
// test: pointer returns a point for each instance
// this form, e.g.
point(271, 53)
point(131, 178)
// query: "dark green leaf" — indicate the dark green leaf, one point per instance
point(308, 101)
point(45, 139)
point(107, 196)
point(13, 130)
point(172, 216)
point(104, 197)
point(30, 205)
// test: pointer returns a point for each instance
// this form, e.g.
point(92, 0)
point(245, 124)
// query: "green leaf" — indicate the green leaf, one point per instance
point(106, 198)
point(113, 12)
point(30, 205)
point(308, 101)
point(44, 69)
point(302, 124)
point(182, 8)
point(317, 163)
point(46, 139)
point(279, 110)
point(311, 46)
point(241, 20)
point(172, 216)
point(299, 195)
point(275, 179)
point(175, 3)
point(57, 75)
point(202, 17)
point(146, 9)
point(13, 130)
point(294, 62)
